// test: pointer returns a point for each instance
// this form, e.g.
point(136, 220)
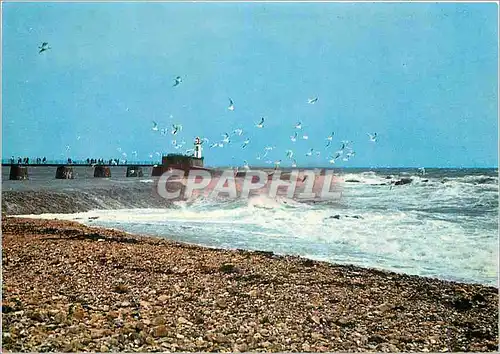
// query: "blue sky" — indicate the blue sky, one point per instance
point(424, 76)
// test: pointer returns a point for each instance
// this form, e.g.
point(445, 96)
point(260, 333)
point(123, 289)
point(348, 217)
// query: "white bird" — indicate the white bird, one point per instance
point(289, 154)
point(221, 145)
point(155, 126)
point(231, 105)
point(294, 137)
point(305, 137)
point(214, 145)
point(261, 124)
point(269, 148)
point(373, 137)
point(178, 81)
point(422, 170)
point(330, 137)
point(310, 152)
point(163, 131)
point(245, 165)
point(246, 142)
point(312, 100)
point(226, 138)
point(298, 125)
point(78, 137)
point(331, 160)
point(238, 131)
point(294, 163)
point(277, 163)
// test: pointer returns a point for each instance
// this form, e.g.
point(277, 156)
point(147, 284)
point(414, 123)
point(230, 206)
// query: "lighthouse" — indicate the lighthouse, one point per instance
point(197, 148)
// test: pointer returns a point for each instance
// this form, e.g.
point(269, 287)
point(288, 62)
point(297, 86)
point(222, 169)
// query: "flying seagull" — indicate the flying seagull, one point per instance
point(246, 142)
point(226, 138)
point(289, 154)
point(294, 137)
point(155, 126)
point(305, 137)
point(310, 152)
point(373, 137)
point(238, 131)
point(178, 81)
point(261, 124)
point(231, 105)
point(312, 100)
point(176, 128)
point(298, 125)
point(294, 163)
point(43, 47)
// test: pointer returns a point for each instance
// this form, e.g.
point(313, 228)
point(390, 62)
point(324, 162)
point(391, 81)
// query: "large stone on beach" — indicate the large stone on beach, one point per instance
point(102, 171)
point(134, 171)
point(18, 172)
point(64, 172)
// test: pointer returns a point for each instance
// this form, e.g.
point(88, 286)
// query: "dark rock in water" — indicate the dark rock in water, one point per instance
point(93, 217)
point(18, 172)
point(335, 217)
point(356, 217)
point(352, 181)
point(64, 172)
point(134, 171)
point(102, 171)
point(485, 180)
point(388, 177)
point(403, 181)
point(425, 180)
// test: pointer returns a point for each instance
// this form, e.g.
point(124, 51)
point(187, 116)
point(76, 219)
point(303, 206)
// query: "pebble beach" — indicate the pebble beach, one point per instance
point(68, 287)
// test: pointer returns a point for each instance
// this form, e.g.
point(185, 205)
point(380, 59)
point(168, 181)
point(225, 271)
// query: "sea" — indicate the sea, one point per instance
point(443, 224)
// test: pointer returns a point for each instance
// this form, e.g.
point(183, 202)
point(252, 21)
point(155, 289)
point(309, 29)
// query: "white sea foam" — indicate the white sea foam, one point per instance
point(447, 230)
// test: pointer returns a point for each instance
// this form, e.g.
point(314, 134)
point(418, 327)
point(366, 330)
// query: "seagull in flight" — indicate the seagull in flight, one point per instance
point(226, 138)
point(245, 165)
point(331, 160)
point(176, 128)
point(214, 145)
point(43, 47)
point(246, 142)
point(231, 105)
point(261, 124)
point(310, 152)
point(289, 154)
point(155, 126)
point(294, 137)
point(178, 81)
point(373, 137)
point(238, 131)
point(294, 163)
point(312, 100)
point(305, 137)
point(298, 125)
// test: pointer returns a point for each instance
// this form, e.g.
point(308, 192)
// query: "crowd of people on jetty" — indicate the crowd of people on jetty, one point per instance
point(69, 161)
